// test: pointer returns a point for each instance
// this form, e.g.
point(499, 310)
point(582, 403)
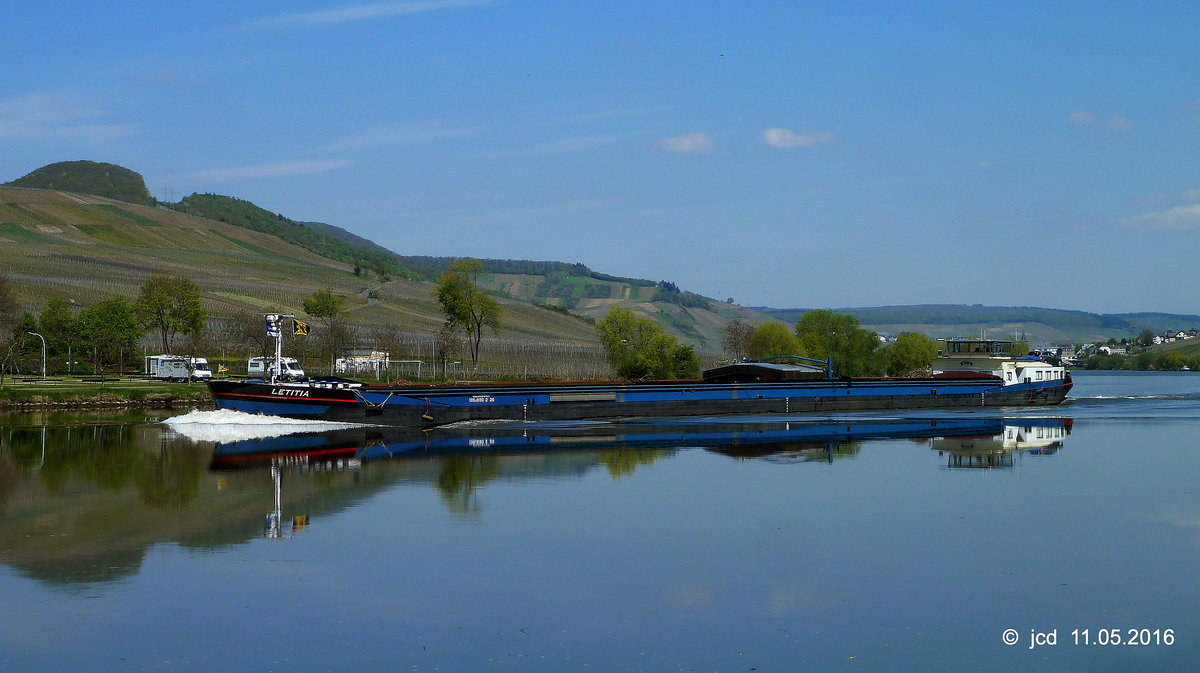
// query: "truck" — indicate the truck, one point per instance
point(177, 368)
point(265, 367)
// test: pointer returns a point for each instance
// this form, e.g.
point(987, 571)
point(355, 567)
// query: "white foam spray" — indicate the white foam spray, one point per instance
point(224, 425)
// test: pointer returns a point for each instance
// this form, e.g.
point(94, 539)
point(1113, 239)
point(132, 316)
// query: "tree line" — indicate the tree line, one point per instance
point(638, 348)
point(822, 334)
point(1163, 361)
point(100, 338)
point(105, 337)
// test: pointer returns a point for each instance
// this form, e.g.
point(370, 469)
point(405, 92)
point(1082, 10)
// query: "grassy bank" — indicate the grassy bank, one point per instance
point(66, 393)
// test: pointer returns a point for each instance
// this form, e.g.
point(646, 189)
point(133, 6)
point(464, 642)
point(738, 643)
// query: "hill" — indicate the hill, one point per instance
point(89, 177)
point(1037, 325)
point(88, 248)
point(566, 288)
point(572, 288)
point(249, 258)
point(323, 239)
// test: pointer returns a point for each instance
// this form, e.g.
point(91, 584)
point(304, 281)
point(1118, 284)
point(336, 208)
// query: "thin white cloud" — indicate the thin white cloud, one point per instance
point(783, 138)
point(398, 134)
point(567, 145)
point(1081, 118)
point(1179, 217)
point(267, 170)
point(1192, 195)
point(613, 115)
point(361, 12)
point(689, 144)
point(1085, 118)
point(57, 114)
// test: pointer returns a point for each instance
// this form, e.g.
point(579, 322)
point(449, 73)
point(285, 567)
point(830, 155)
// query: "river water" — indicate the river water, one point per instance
point(860, 542)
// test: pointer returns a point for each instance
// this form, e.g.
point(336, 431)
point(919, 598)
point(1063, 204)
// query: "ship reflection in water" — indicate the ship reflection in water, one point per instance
point(466, 452)
point(83, 500)
point(1039, 437)
point(798, 441)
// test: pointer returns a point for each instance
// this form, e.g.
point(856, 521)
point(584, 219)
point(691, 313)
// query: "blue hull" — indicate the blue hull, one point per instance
point(428, 406)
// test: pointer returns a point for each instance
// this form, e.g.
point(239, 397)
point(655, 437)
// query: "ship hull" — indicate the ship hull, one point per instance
point(428, 406)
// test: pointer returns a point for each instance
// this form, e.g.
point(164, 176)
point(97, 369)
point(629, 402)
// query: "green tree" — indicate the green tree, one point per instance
point(638, 348)
point(1146, 337)
point(1170, 361)
point(1141, 362)
point(326, 307)
point(468, 309)
point(107, 333)
point(29, 348)
point(823, 333)
point(770, 339)
point(686, 364)
point(170, 306)
point(911, 351)
point(55, 324)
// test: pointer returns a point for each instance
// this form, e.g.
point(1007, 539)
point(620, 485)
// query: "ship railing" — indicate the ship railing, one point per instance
point(827, 363)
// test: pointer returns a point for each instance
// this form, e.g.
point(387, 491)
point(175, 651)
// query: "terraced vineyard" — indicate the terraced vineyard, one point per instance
point(89, 248)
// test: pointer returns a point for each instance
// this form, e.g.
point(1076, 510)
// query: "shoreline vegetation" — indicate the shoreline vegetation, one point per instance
point(1147, 361)
point(57, 393)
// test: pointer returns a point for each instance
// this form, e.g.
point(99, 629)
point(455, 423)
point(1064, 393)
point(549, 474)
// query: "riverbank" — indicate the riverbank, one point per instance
point(66, 394)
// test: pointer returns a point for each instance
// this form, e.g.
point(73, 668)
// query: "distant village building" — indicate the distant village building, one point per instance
point(1172, 335)
point(1169, 336)
point(1053, 351)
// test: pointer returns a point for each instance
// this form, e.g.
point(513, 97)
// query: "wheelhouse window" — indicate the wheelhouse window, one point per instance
point(978, 346)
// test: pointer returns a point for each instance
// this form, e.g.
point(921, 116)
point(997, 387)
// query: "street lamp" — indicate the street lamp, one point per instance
point(43, 352)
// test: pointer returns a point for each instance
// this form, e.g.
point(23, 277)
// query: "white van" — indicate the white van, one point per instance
point(200, 369)
point(290, 370)
point(177, 368)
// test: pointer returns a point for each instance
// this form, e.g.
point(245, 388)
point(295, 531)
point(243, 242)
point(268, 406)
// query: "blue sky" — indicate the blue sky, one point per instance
point(784, 154)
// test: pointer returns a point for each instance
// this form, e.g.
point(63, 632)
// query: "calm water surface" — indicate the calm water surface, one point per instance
point(867, 543)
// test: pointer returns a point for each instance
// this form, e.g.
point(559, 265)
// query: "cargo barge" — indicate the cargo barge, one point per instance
point(967, 373)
